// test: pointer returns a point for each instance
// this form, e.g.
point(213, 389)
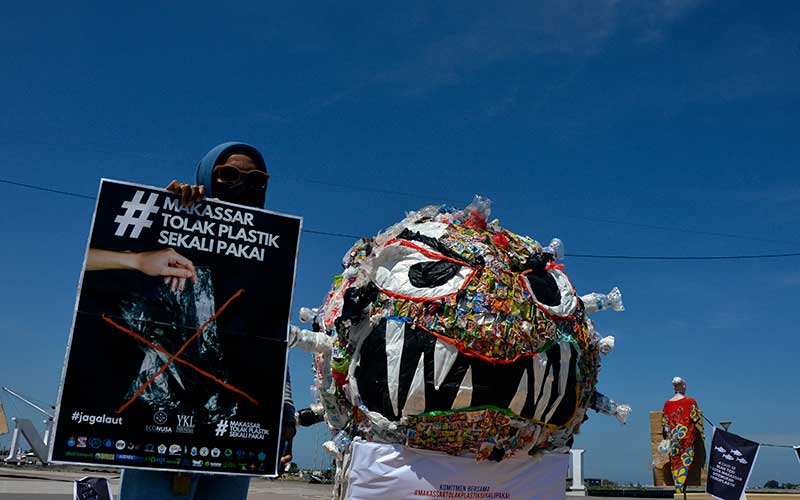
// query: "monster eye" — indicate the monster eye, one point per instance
point(411, 271)
point(552, 292)
point(432, 274)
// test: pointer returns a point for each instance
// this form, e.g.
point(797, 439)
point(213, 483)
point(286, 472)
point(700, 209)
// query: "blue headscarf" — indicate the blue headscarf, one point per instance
point(222, 151)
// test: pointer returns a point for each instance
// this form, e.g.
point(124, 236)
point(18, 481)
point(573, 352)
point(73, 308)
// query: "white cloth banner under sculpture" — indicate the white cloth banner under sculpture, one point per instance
point(383, 471)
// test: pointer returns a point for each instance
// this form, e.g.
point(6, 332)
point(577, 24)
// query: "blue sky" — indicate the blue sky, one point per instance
point(639, 128)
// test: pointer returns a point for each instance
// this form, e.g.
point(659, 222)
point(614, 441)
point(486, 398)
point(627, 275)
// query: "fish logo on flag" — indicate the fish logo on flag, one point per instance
point(729, 466)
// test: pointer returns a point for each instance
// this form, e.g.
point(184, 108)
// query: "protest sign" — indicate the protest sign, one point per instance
point(729, 466)
point(170, 373)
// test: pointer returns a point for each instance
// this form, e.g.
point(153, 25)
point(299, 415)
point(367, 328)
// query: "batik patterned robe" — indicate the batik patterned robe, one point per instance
point(683, 421)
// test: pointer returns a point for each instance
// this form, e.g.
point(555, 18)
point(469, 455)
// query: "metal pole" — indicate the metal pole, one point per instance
point(26, 401)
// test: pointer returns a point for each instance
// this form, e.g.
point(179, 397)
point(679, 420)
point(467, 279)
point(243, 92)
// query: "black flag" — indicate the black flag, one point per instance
point(92, 488)
point(730, 464)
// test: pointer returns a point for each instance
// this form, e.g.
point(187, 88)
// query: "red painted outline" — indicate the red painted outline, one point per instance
point(180, 360)
point(424, 251)
point(469, 352)
point(432, 255)
point(429, 299)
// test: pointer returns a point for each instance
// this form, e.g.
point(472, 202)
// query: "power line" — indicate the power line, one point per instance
point(47, 189)
point(760, 444)
point(600, 220)
point(366, 189)
point(337, 235)
point(575, 255)
point(688, 257)
point(89, 197)
point(354, 187)
point(678, 229)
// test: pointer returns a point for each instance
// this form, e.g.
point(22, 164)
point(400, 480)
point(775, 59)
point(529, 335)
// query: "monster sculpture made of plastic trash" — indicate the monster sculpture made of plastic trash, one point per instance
point(447, 332)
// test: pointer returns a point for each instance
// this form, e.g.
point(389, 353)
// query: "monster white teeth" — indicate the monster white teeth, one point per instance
point(518, 402)
point(395, 333)
point(546, 387)
point(464, 396)
point(565, 354)
point(444, 355)
point(415, 402)
point(539, 363)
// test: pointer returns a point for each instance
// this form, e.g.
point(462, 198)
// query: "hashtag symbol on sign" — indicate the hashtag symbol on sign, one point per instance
point(222, 426)
point(130, 217)
point(76, 416)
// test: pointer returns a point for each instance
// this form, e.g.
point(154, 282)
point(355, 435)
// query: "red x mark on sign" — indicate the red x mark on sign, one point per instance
point(175, 357)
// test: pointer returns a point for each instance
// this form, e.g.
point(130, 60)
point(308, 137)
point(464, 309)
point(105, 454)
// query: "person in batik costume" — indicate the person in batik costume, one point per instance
point(683, 423)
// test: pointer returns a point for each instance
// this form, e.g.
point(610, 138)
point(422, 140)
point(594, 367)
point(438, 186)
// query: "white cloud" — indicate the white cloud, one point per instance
point(519, 29)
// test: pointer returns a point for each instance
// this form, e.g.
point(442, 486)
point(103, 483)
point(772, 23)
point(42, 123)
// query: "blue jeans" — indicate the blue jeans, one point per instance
point(156, 485)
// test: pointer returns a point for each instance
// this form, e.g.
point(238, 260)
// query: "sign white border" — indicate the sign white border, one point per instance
point(53, 433)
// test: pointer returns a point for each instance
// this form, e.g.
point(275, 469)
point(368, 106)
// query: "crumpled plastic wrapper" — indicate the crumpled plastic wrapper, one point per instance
point(600, 301)
point(489, 434)
point(169, 322)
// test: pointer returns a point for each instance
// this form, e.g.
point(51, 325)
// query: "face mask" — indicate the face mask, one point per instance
point(240, 193)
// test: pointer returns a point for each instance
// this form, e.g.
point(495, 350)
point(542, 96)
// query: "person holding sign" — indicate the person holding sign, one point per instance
point(236, 173)
point(682, 423)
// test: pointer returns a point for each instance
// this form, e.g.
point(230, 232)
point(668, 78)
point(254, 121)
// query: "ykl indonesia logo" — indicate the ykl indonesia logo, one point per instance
point(137, 214)
point(185, 424)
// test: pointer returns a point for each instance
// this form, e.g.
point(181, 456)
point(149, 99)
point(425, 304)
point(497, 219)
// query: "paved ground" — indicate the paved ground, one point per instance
point(32, 484)
point(17, 483)
point(750, 496)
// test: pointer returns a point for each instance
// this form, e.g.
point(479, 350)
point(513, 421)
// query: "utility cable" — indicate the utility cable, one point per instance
point(572, 255)
point(171, 162)
point(760, 444)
